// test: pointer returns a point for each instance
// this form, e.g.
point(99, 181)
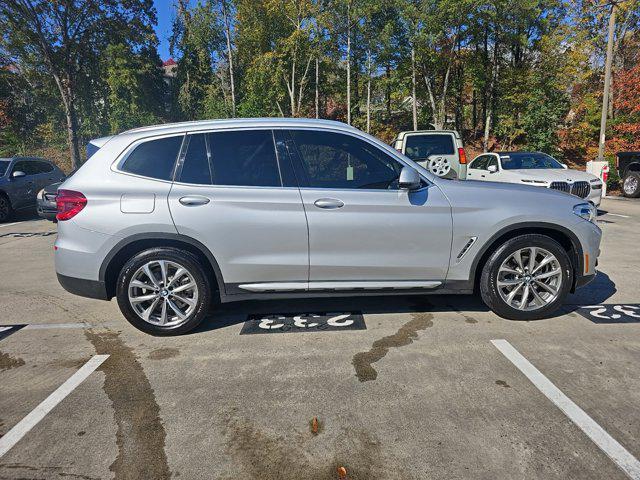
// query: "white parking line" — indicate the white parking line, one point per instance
point(47, 326)
point(14, 435)
point(9, 224)
point(618, 215)
point(616, 452)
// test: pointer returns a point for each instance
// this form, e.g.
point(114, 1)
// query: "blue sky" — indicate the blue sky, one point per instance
point(166, 12)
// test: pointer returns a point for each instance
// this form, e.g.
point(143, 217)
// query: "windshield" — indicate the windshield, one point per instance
point(522, 160)
point(422, 146)
point(4, 164)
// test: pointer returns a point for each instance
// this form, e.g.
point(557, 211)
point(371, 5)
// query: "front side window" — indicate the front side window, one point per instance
point(523, 160)
point(154, 158)
point(244, 158)
point(420, 147)
point(335, 160)
point(480, 163)
point(29, 168)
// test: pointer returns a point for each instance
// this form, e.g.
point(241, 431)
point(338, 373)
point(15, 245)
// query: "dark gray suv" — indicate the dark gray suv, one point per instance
point(21, 178)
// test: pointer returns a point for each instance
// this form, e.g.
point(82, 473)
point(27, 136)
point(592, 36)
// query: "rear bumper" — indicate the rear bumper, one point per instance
point(83, 287)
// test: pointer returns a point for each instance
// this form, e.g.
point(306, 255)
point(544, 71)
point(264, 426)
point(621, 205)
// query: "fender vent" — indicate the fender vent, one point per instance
point(466, 248)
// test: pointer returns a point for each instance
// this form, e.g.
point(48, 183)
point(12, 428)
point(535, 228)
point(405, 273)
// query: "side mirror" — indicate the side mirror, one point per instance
point(409, 179)
point(18, 174)
point(492, 168)
point(566, 167)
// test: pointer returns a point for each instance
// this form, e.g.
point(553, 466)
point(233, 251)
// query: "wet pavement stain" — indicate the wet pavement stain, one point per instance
point(52, 471)
point(266, 455)
point(467, 318)
point(502, 383)
point(404, 336)
point(163, 353)
point(7, 362)
point(140, 434)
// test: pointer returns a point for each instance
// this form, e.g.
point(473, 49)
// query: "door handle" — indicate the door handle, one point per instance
point(194, 200)
point(328, 203)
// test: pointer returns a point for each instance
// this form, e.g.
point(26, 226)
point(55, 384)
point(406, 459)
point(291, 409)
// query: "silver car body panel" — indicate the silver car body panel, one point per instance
point(274, 242)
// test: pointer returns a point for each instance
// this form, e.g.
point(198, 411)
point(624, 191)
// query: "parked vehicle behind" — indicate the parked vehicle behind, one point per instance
point(439, 151)
point(537, 169)
point(21, 178)
point(166, 218)
point(628, 165)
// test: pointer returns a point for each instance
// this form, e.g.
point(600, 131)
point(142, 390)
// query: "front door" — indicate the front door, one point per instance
point(23, 189)
point(365, 232)
point(229, 195)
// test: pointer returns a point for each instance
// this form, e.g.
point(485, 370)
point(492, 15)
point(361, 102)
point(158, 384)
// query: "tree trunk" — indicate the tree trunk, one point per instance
point(413, 89)
point(72, 127)
point(387, 92)
point(491, 98)
point(227, 32)
point(349, 64)
point(317, 88)
point(368, 90)
point(68, 100)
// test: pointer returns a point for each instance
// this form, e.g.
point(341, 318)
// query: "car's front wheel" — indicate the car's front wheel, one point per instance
point(526, 278)
point(163, 291)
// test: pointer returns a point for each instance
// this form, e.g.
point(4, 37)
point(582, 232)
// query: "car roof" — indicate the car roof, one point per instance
point(406, 133)
point(168, 128)
point(10, 159)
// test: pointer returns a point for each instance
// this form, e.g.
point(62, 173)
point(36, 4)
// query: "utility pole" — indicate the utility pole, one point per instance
point(607, 81)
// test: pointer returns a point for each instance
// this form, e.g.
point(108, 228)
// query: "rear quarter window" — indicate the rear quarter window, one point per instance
point(154, 158)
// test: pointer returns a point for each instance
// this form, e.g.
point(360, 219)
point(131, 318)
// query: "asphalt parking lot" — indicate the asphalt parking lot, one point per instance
point(421, 393)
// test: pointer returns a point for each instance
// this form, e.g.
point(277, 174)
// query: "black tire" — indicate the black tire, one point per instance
point(489, 278)
point(184, 259)
point(6, 210)
point(631, 185)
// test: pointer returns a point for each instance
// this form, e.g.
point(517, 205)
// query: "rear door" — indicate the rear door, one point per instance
point(364, 232)
point(233, 195)
point(437, 152)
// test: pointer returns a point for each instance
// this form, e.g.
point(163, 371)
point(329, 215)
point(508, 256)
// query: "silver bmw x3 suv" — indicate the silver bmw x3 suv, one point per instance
point(169, 218)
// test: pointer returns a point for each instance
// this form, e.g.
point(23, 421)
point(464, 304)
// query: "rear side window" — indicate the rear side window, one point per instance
point(195, 168)
point(420, 147)
point(154, 159)
point(44, 167)
point(244, 158)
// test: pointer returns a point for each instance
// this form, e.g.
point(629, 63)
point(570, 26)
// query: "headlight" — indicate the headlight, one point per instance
point(586, 211)
point(41, 194)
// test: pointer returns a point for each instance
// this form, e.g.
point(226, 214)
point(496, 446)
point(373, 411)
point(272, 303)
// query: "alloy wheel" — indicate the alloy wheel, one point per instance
point(439, 166)
point(530, 278)
point(163, 292)
point(630, 185)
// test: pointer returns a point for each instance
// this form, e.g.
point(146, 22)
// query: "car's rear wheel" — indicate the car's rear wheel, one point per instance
point(163, 291)
point(631, 185)
point(5, 208)
point(526, 278)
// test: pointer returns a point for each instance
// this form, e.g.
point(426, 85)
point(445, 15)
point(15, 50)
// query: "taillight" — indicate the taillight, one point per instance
point(462, 155)
point(69, 204)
